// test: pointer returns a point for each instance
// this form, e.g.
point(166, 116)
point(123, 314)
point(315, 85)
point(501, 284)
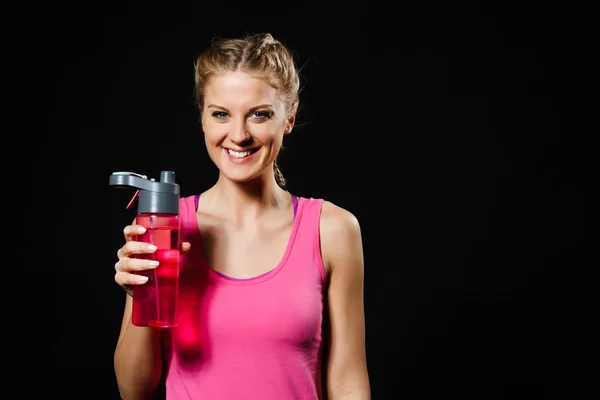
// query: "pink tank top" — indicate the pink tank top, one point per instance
point(257, 338)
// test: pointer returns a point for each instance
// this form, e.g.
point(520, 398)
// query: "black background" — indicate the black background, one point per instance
point(449, 131)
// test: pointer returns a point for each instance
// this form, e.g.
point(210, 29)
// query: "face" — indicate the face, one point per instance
point(243, 121)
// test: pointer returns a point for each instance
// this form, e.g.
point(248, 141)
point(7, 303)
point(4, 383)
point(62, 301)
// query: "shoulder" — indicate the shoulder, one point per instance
point(340, 235)
point(338, 220)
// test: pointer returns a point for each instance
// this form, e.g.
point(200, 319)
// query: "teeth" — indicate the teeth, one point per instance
point(239, 154)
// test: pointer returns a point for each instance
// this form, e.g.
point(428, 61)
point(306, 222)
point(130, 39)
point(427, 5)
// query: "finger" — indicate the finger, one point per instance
point(133, 247)
point(131, 231)
point(125, 279)
point(135, 264)
point(185, 247)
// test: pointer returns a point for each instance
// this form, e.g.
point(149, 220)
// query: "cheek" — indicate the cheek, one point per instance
point(267, 133)
point(213, 132)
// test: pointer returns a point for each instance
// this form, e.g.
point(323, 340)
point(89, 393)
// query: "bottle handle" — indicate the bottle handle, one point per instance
point(135, 195)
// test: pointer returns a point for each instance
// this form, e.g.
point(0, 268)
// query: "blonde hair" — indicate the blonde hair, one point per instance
point(258, 54)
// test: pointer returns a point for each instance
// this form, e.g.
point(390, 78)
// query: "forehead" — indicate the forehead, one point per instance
point(239, 89)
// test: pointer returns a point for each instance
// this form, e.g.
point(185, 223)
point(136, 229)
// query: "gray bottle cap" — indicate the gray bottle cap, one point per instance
point(154, 197)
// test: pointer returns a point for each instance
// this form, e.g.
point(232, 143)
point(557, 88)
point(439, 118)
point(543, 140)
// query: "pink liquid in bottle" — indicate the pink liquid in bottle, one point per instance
point(155, 303)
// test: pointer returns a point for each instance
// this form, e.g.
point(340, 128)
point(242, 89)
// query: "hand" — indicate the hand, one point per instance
point(127, 265)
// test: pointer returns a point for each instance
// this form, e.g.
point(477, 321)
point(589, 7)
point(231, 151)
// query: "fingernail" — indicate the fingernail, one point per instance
point(153, 263)
point(142, 279)
point(141, 229)
point(151, 247)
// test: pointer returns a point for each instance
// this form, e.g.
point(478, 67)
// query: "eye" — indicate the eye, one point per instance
point(262, 115)
point(219, 114)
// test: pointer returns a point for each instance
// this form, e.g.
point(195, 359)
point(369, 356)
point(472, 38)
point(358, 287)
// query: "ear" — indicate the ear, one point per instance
point(289, 124)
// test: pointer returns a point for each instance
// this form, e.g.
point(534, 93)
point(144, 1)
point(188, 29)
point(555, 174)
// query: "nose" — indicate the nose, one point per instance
point(238, 133)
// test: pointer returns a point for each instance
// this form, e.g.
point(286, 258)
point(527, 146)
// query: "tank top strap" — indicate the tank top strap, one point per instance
point(295, 204)
point(189, 225)
point(307, 244)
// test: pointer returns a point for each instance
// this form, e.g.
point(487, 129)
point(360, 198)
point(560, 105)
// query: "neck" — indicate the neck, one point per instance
point(247, 200)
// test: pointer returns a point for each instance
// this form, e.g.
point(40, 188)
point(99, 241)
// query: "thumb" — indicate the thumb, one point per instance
point(185, 247)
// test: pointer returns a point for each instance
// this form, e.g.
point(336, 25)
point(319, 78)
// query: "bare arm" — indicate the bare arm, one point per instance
point(137, 358)
point(346, 372)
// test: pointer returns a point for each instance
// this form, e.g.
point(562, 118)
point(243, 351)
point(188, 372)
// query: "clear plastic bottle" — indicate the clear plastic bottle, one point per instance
point(155, 303)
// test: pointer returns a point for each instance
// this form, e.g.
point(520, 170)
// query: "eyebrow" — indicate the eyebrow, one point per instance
point(266, 105)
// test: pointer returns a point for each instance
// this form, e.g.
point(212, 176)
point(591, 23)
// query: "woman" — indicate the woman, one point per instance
point(271, 284)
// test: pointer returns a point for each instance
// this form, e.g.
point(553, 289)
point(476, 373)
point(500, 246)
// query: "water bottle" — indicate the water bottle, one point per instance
point(155, 302)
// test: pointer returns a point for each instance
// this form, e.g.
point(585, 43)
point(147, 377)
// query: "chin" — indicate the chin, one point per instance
point(245, 174)
point(237, 174)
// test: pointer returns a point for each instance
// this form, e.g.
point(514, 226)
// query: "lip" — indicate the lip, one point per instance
point(240, 160)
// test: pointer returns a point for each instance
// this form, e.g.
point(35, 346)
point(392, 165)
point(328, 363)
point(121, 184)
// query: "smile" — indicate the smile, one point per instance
point(240, 155)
